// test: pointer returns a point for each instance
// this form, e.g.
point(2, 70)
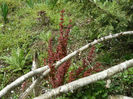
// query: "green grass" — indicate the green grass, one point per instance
point(24, 30)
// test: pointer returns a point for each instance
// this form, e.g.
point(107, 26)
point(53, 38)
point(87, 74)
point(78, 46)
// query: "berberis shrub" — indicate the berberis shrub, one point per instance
point(57, 76)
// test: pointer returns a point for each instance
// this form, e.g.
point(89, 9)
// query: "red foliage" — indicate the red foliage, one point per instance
point(57, 76)
point(85, 70)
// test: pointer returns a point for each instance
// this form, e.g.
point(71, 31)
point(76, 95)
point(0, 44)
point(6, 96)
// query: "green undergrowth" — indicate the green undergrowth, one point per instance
point(31, 23)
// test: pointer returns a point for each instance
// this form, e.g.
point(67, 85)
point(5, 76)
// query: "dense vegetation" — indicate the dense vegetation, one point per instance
point(26, 27)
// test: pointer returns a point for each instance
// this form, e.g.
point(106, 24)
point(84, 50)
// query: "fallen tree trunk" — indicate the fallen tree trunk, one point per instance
point(118, 97)
point(87, 80)
point(58, 63)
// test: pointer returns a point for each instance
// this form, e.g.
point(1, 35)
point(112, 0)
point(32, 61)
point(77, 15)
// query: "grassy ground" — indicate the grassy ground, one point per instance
point(29, 28)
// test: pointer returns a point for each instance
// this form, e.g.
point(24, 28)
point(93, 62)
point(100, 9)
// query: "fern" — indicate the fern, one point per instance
point(16, 60)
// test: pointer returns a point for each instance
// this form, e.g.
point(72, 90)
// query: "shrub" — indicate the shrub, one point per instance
point(57, 76)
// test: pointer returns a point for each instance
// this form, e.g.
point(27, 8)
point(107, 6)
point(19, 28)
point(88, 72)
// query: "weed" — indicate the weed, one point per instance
point(30, 3)
point(4, 9)
point(17, 59)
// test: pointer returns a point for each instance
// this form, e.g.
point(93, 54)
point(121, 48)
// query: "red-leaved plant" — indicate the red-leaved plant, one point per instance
point(56, 76)
point(88, 67)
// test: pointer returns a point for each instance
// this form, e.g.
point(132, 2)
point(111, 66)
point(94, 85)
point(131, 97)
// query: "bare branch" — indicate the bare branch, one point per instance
point(33, 85)
point(58, 63)
point(29, 90)
point(34, 67)
point(87, 80)
point(118, 97)
point(21, 80)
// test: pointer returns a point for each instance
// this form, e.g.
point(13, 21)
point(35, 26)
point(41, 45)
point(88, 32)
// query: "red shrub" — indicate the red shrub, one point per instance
point(85, 70)
point(57, 76)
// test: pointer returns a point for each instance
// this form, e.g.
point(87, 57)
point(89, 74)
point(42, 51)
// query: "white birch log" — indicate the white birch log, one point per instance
point(118, 97)
point(58, 63)
point(87, 80)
